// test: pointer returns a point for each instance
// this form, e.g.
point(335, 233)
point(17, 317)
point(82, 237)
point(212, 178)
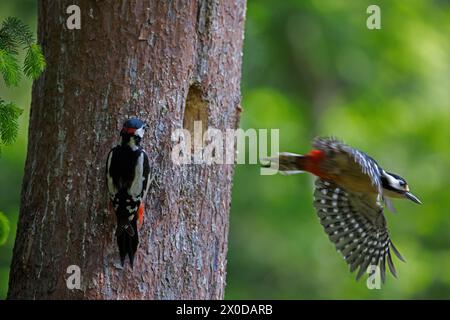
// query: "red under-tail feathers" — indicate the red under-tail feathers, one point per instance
point(291, 163)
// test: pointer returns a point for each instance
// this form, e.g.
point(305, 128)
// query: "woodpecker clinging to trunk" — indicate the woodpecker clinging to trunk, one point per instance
point(127, 173)
point(350, 192)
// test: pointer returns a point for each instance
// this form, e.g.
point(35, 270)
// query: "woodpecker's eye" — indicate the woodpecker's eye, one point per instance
point(402, 183)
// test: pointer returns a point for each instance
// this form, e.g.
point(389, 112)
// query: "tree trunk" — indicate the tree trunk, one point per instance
point(168, 63)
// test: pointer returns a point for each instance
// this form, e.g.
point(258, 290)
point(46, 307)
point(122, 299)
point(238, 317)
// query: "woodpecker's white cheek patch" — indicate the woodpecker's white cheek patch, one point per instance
point(393, 182)
point(140, 132)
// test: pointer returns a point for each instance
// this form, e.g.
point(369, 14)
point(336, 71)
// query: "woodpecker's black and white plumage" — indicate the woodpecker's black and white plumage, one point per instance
point(350, 194)
point(127, 175)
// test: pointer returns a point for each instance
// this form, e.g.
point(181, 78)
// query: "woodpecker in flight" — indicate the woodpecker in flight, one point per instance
point(350, 192)
point(127, 175)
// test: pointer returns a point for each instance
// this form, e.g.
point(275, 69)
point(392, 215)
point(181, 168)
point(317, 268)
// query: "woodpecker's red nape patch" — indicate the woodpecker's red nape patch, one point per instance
point(130, 131)
point(316, 155)
point(312, 163)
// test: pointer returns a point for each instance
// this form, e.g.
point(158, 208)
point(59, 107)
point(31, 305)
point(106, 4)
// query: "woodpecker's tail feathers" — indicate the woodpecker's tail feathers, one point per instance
point(287, 163)
point(127, 240)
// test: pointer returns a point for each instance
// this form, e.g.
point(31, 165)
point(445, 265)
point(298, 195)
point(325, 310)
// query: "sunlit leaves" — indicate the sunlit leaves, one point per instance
point(9, 115)
point(15, 35)
point(9, 68)
point(34, 62)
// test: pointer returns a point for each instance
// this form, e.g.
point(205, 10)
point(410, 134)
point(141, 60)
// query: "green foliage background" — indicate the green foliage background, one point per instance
point(312, 67)
point(14, 37)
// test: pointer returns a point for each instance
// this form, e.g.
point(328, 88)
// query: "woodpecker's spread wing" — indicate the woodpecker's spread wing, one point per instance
point(355, 223)
point(366, 163)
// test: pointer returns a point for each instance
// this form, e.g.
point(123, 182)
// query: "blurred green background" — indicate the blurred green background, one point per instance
point(313, 68)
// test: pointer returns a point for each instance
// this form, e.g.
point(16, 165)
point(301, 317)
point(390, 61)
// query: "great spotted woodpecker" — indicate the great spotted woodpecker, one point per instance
point(349, 195)
point(127, 175)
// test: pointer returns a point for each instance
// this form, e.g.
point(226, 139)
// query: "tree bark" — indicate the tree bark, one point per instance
point(168, 63)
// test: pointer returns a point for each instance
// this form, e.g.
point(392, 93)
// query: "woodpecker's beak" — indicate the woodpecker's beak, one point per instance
point(412, 197)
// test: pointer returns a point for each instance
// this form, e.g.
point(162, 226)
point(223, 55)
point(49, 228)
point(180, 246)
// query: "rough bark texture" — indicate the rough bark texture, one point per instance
point(130, 58)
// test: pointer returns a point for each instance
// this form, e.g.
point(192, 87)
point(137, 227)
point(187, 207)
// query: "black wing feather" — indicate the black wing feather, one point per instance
point(357, 227)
